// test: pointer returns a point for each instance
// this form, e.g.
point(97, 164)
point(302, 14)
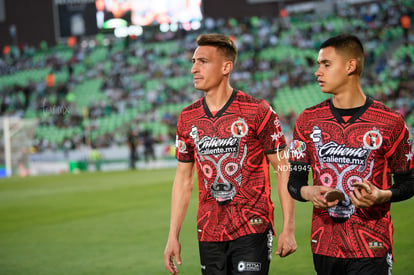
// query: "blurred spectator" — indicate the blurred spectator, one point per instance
point(406, 25)
point(96, 158)
point(132, 145)
point(148, 142)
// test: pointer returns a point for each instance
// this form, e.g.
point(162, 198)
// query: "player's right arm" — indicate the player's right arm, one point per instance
point(181, 194)
point(300, 190)
point(300, 167)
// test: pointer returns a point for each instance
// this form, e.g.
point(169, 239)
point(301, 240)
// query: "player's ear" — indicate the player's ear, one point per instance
point(352, 66)
point(227, 67)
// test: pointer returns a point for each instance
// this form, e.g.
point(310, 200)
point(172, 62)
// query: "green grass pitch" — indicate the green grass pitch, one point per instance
point(117, 223)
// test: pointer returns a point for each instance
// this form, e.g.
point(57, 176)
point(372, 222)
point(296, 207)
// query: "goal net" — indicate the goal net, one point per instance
point(16, 140)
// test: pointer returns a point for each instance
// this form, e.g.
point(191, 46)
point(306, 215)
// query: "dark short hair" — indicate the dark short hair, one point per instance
point(347, 45)
point(222, 42)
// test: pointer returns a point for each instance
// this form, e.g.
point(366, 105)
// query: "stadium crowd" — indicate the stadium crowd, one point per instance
point(133, 73)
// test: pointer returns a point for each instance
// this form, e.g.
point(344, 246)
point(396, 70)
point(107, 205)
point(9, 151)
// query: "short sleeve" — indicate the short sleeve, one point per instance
point(184, 148)
point(400, 155)
point(269, 130)
point(298, 151)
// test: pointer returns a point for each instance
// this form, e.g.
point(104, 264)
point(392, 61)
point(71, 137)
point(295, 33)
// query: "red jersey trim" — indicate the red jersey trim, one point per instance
point(265, 120)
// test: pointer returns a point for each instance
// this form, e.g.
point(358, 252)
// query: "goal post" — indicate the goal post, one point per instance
point(17, 137)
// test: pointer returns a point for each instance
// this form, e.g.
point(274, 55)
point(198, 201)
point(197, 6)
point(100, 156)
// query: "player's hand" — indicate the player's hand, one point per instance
point(171, 253)
point(316, 195)
point(365, 194)
point(286, 244)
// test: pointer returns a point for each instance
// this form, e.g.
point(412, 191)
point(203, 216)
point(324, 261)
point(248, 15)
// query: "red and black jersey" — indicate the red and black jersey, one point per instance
point(373, 144)
point(233, 173)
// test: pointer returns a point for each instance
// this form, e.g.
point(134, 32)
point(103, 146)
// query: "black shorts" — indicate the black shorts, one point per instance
point(250, 254)
point(325, 265)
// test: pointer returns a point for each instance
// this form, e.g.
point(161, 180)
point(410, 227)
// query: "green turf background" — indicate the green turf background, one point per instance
point(117, 223)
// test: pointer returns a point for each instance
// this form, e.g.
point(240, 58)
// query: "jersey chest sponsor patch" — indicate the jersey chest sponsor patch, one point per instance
point(349, 153)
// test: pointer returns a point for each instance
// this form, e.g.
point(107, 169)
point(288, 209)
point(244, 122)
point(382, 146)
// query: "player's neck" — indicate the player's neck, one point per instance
point(349, 100)
point(218, 98)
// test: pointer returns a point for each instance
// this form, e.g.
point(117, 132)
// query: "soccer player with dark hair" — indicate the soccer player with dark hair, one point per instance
point(230, 137)
point(356, 146)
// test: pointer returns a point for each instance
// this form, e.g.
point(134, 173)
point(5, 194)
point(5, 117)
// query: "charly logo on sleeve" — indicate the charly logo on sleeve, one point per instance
point(180, 144)
point(297, 149)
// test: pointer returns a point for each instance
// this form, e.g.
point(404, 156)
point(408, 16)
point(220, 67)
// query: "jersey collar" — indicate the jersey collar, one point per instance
point(223, 109)
point(354, 115)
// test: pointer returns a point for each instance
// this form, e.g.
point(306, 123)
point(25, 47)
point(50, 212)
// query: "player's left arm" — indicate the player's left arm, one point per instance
point(286, 241)
point(366, 194)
